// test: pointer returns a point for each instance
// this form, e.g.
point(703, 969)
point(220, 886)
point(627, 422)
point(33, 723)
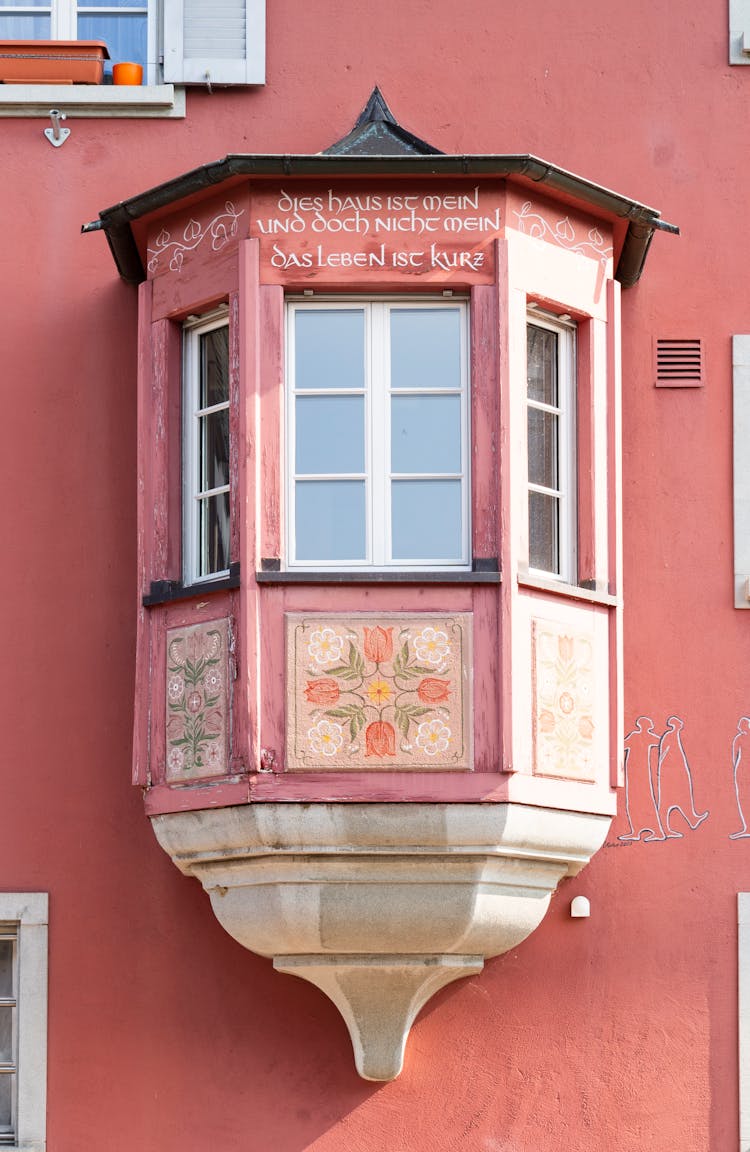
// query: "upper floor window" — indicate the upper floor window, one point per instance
point(377, 421)
point(177, 42)
point(550, 423)
point(206, 450)
point(23, 1019)
point(122, 24)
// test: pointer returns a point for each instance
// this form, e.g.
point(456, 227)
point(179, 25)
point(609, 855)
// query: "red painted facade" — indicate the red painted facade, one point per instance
point(164, 1034)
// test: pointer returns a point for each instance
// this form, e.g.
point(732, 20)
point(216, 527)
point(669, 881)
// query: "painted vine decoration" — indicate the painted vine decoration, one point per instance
point(195, 715)
point(380, 689)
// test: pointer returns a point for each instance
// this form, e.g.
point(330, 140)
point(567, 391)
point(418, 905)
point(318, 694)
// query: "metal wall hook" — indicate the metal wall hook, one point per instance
point(57, 135)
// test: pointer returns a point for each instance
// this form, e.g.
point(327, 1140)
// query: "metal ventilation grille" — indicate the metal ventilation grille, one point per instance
point(679, 363)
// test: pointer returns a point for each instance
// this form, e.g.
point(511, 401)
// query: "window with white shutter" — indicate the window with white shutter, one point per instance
point(214, 41)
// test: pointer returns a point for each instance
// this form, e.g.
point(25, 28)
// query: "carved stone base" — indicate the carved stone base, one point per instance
point(379, 997)
point(380, 905)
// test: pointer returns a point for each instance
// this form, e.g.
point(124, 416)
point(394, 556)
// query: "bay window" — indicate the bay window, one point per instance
point(377, 434)
point(206, 450)
point(550, 424)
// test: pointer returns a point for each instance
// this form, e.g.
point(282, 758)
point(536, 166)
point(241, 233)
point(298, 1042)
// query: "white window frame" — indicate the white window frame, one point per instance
point(191, 494)
point(28, 912)
point(743, 992)
point(377, 474)
point(565, 409)
point(741, 470)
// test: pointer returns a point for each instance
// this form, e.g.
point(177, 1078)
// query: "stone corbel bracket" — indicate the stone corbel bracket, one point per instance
point(380, 905)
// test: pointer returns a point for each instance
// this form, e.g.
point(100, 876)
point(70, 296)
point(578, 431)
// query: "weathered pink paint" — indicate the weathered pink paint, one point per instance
point(614, 1032)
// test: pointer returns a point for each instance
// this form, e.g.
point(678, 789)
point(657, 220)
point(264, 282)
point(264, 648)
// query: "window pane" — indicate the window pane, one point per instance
point(330, 520)
point(330, 434)
point(7, 948)
point(542, 436)
point(426, 519)
point(111, 4)
point(29, 4)
point(329, 349)
point(7, 1085)
point(425, 348)
point(6, 1034)
point(25, 27)
point(426, 434)
point(126, 36)
point(214, 462)
point(214, 367)
point(214, 534)
point(543, 532)
point(541, 358)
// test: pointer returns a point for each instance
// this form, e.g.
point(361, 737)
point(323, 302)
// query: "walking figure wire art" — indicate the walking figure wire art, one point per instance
point(658, 782)
point(640, 799)
point(740, 751)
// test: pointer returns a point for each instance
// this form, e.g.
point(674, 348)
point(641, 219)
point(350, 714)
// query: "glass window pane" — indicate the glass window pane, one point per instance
point(25, 27)
point(330, 520)
point(329, 348)
point(7, 949)
point(111, 4)
point(426, 434)
point(330, 433)
point(542, 436)
point(426, 519)
point(214, 534)
point(214, 463)
point(126, 36)
point(7, 1087)
point(6, 1034)
point(214, 367)
point(541, 358)
point(29, 4)
point(544, 514)
point(425, 348)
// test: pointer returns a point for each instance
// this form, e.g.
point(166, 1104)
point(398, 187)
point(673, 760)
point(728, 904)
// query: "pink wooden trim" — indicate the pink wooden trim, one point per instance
point(485, 424)
point(143, 628)
point(421, 787)
point(191, 798)
point(271, 398)
point(586, 455)
point(506, 591)
point(236, 505)
point(614, 534)
point(197, 288)
point(248, 683)
point(156, 419)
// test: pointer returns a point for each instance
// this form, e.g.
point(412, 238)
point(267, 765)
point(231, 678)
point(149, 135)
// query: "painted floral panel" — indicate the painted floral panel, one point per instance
point(563, 701)
point(374, 692)
point(197, 701)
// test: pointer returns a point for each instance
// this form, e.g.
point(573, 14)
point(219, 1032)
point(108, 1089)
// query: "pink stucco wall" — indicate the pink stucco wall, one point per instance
point(616, 1032)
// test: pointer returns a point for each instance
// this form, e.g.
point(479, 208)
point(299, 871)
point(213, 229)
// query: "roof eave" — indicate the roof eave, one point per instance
point(642, 220)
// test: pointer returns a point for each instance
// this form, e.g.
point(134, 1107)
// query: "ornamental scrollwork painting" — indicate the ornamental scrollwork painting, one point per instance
point(220, 230)
point(563, 233)
point(378, 693)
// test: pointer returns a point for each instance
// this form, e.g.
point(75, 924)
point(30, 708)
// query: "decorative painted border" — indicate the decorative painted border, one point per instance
point(563, 701)
point(378, 692)
point(563, 234)
point(197, 701)
point(222, 228)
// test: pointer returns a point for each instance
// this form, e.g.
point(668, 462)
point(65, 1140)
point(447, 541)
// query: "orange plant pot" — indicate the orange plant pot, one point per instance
point(52, 61)
point(127, 73)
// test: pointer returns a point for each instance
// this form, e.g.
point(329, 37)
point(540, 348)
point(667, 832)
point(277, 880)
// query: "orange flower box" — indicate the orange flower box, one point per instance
point(52, 61)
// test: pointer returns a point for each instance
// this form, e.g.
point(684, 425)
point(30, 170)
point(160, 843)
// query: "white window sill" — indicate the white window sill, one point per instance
point(92, 100)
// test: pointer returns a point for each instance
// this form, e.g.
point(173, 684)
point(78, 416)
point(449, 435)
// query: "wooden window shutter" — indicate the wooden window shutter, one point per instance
point(214, 41)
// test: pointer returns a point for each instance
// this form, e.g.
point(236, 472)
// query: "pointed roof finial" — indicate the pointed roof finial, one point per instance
point(378, 133)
